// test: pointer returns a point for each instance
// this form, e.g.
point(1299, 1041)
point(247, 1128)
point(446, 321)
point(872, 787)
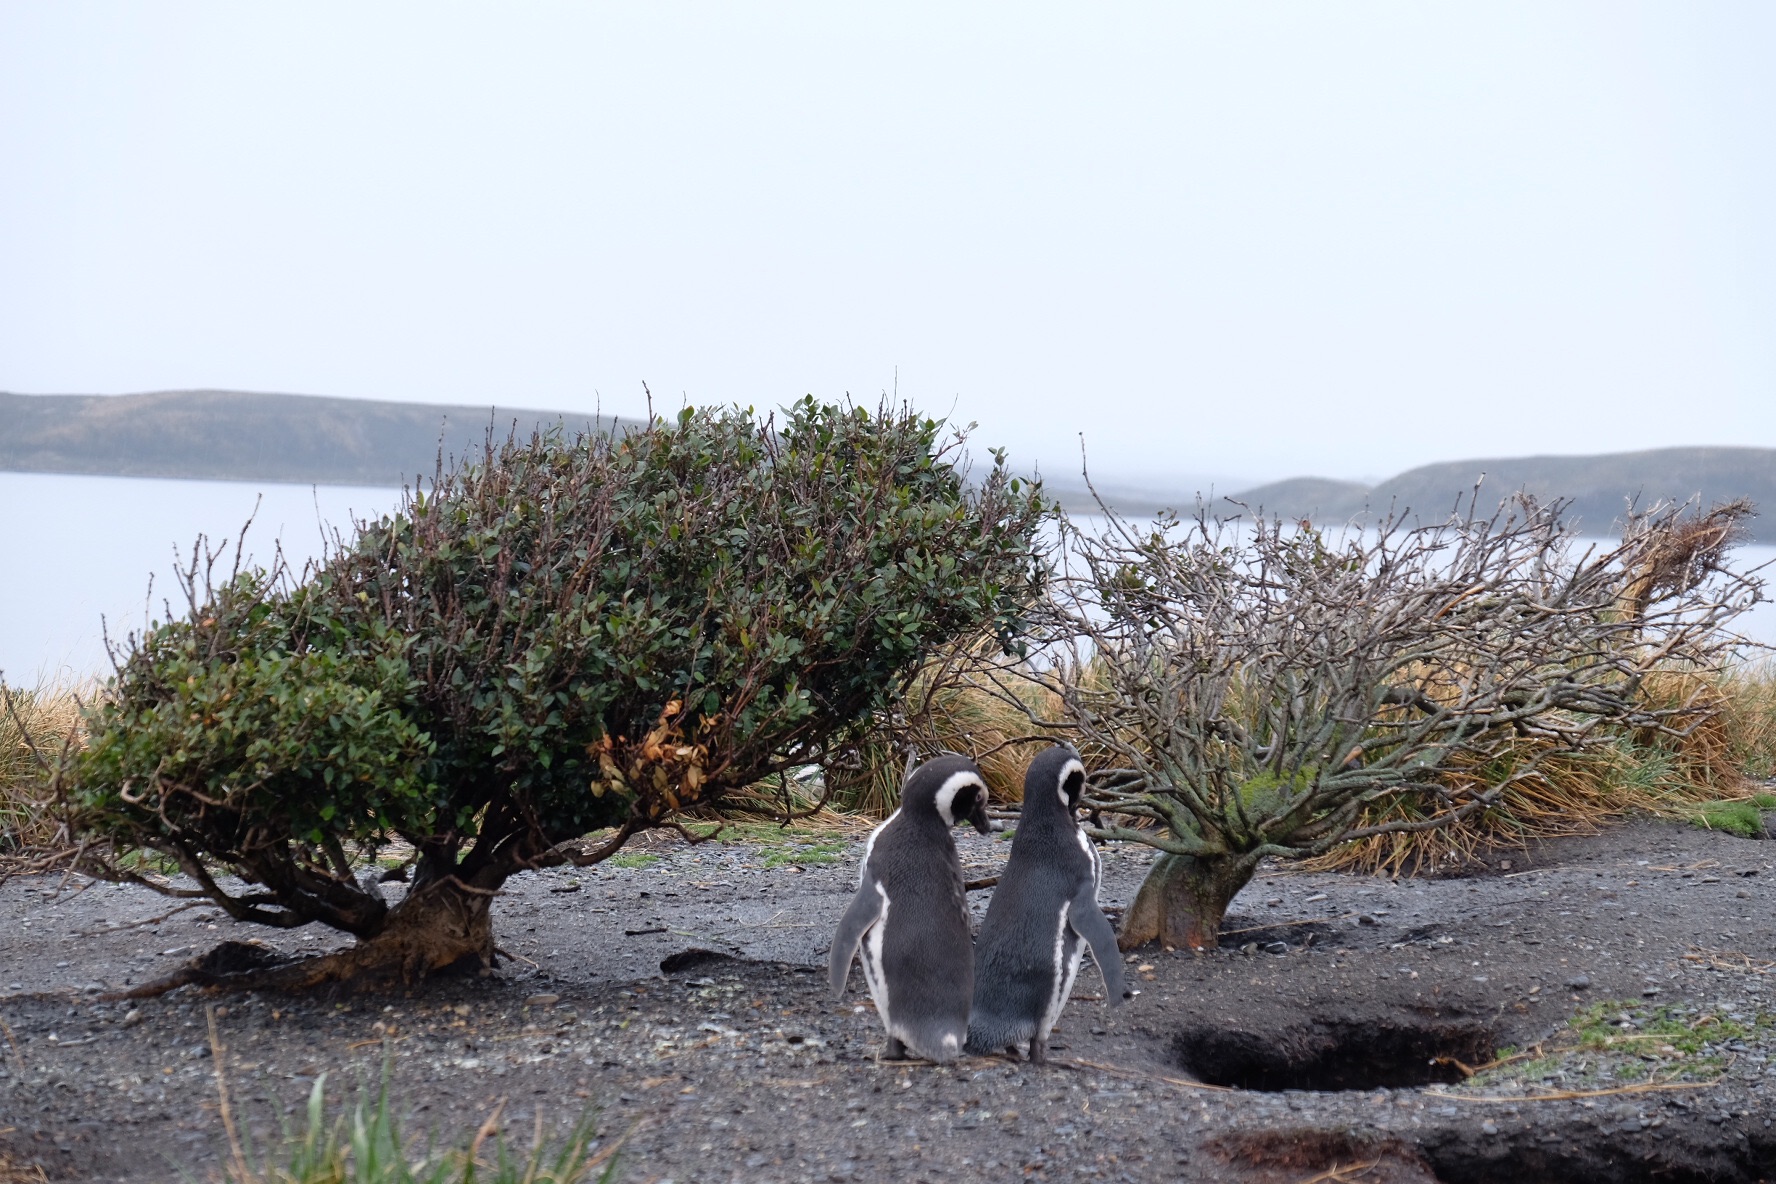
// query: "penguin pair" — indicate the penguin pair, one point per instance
point(934, 992)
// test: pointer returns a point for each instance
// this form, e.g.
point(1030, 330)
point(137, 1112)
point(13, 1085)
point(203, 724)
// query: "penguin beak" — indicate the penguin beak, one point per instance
point(978, 815)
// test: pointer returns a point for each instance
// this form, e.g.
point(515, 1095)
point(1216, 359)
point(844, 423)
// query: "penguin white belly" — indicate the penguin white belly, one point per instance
point(873, 973)
point(1091, 855)
point(1068, 950)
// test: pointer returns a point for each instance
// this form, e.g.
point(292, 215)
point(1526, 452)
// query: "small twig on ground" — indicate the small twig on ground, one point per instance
point(1077, 1063)
point(217, 1053)
point(983, 882)
point(13, 1041)
point(1565, 1095)
point(1340, 1174)
point(488, 1130)
point(1289, 924)
point(1531, 1053)
point(192, 904)
point(1722, 960)
point(357, 1044)
point(616, 1146)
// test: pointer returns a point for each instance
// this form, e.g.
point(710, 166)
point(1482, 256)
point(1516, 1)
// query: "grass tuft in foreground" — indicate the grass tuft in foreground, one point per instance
point(368, 1147)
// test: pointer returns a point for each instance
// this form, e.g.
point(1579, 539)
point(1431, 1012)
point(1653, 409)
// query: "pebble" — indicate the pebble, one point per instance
point(1489, 1127)
point(542, 1001)
point(1276, 947)
point(1579, 982)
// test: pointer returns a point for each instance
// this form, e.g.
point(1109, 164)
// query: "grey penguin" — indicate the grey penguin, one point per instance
point(909, 919)
point(1043, 915)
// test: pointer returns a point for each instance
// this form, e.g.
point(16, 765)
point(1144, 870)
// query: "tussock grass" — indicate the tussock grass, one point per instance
point(1748, 695)
point(971, 721)
point(36, 728)
point(995, 729)
point(367, 1146)
point(1704, 776)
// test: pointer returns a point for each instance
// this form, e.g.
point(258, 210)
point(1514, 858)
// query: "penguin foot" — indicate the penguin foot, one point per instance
point(894, 1050)
point(1038, 1050)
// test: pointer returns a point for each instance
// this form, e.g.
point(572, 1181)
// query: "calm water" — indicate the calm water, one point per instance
point(81, 552)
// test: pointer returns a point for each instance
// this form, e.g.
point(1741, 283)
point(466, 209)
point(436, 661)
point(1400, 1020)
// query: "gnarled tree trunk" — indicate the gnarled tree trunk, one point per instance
point(1183, 899)
point(443, 924)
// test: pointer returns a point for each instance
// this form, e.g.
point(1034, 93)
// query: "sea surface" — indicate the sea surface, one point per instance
point(81, 555)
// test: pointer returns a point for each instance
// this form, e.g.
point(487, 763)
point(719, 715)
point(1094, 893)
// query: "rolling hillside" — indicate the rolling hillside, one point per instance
point(1599, 487)
point(240, 436)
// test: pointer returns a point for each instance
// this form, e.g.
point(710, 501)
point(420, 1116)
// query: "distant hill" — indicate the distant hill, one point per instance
point(1598, 487)
point(242, 436)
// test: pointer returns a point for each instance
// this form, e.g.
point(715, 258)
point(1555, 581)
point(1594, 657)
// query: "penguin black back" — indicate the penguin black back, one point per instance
point(1043, 915)
point(909, 918)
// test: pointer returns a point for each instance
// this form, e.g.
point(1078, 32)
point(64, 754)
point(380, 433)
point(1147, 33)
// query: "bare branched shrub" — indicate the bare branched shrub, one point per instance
point(1261, 689)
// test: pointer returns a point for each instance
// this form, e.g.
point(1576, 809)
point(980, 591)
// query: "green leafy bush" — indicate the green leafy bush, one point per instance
point(565, 637)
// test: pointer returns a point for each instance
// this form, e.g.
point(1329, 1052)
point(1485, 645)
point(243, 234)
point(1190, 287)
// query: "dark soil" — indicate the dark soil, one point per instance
point(734, 1065)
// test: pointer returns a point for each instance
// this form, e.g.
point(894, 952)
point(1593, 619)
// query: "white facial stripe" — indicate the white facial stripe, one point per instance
point(946, 793)
point(1067, 770)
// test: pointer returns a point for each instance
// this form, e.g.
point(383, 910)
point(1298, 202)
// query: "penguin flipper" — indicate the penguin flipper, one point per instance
point(1089, 923)
point(866, 910)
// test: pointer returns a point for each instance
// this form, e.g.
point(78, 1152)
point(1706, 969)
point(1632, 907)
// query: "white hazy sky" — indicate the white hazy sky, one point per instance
point(1235, 240)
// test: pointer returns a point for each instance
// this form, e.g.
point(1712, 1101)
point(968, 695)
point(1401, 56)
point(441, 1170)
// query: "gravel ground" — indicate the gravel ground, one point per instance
point(1327, 1004)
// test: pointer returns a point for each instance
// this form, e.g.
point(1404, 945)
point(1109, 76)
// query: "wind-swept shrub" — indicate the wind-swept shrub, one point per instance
point(563, 638)
point(1253, 690)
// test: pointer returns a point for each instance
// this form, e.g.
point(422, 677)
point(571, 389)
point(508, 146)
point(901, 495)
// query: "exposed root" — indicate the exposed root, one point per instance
point(239, 966)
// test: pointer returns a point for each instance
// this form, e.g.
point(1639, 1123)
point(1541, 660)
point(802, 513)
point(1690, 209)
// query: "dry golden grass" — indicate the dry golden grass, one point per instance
point(994, 732)
point(1749, 717)
point(35, 729)
point(1730, 740)
point(944, 715)
point(17, 1171)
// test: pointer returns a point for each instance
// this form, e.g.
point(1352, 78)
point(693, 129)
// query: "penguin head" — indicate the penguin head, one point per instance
point(1056, 775)
point(951, 787)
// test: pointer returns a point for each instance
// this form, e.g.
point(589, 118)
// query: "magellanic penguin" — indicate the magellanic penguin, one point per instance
point(910, 916)
point(1043, 914)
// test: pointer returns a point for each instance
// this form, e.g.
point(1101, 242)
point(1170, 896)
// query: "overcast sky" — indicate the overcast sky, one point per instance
point(1239, 241)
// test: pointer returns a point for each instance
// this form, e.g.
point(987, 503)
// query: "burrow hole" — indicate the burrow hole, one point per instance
point(1396, 1052)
